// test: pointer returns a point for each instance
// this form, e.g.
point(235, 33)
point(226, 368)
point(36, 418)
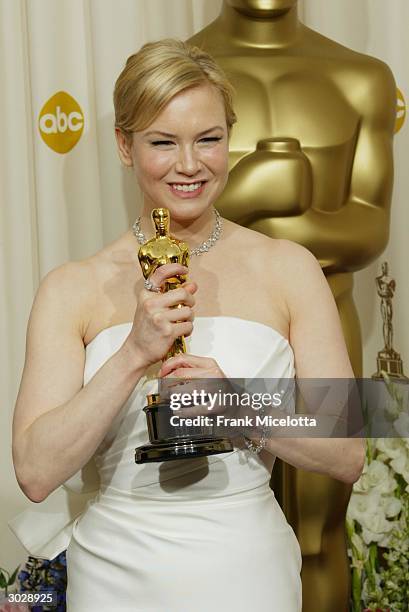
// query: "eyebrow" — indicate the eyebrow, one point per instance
point(174, 136)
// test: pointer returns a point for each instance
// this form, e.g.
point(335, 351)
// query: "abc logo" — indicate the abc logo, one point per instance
point(400, 111)
point(61, 122)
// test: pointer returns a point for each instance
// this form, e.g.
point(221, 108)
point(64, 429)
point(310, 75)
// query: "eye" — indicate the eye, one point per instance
point(210, 139)
point(158, 143)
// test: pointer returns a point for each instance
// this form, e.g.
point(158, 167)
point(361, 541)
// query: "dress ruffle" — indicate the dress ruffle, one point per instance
point(46, 532)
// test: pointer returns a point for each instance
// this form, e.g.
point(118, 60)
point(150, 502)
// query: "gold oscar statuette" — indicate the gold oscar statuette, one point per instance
point(388, 360)
point(169, 441)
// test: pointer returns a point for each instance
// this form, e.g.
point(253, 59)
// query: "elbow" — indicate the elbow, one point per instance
point(34, 494)
point(28, 483)
point(34, 491)
point(356, 463)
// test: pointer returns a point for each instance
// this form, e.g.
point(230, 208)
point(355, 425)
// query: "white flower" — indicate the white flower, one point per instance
point(376, 522)
point(401, 466)
point(360, 548)
point(375, 474)
point(362, 485)
point(361, 504)
point(392, 447)
point(392, 506)
point(371, 511)
point(375, 528)
point(385, 540)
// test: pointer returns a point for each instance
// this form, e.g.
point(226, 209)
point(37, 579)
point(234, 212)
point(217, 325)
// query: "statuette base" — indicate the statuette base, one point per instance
point(390, 364)
point(183, 449)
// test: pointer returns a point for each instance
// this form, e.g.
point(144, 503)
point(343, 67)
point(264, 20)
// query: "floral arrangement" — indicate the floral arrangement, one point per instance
point(44, 575)
point(378, 518)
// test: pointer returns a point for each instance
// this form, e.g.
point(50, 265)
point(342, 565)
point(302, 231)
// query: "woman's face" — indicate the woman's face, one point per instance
point(181, 159)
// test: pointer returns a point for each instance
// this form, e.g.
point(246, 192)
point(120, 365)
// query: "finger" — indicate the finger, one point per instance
point(190, 286)
point(184, 313)
point(183, 329)
point(185, 360)
point(162, 273)
point(175, 297)
point(187, 373)
point(172, 364)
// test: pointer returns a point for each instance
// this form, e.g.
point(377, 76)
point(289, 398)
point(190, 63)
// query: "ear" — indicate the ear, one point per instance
point(124, 147)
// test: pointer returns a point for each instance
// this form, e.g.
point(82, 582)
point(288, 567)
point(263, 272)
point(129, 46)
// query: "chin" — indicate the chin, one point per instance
point(185, 212)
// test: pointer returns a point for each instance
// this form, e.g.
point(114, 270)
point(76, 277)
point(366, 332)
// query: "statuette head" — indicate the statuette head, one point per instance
point(160, 217)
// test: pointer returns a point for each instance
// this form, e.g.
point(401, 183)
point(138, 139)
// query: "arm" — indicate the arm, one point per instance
point(58, 424)
point(320, 352)
point(351, 237)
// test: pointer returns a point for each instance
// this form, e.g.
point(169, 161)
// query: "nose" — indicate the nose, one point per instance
point(188, 161)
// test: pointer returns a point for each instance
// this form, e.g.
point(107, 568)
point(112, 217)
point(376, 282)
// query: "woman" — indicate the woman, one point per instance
point(196, 534)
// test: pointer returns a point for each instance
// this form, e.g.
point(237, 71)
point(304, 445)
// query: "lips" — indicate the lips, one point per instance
point(187, 183)
point(187, 190)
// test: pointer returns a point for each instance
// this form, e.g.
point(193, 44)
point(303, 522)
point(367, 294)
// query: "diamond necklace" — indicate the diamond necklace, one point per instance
point(202, 248)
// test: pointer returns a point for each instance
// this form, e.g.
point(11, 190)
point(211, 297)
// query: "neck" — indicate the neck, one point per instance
point(276, 29)
point(193, 232)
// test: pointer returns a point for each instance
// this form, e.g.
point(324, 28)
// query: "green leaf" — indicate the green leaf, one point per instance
point(356, 590)
point(369, 452)
point(13, 576)
point(3, 581)
point(350, 527)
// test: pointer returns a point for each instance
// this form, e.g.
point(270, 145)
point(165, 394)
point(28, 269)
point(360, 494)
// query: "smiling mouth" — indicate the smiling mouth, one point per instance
point(187, 187)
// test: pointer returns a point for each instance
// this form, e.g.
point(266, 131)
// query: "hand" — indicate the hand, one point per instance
point(193, 369)
point(188, 371)
point(157, 321)
point(191, 366)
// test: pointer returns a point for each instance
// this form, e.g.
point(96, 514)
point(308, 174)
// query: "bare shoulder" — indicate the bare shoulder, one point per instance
point(286, 254)
point(253, 241)
point(69, 291)
point(316, 334)
point(295, 259)
point(77, 287)
point(278, 262)
point(299, 271)
point(69, 274)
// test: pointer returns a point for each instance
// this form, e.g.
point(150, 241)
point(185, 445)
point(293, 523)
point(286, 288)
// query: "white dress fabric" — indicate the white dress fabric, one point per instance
point(192, 535)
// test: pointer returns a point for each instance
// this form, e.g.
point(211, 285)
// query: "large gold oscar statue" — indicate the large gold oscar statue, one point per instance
point(310, 161)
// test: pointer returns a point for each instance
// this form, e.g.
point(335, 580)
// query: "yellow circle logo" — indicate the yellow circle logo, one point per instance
point(400, 111)
point(61, 122)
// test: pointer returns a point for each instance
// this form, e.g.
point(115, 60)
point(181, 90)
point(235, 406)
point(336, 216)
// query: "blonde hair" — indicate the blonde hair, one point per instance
point(159, 71)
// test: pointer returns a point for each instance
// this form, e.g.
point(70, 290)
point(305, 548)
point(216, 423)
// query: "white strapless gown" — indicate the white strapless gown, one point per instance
point(193, 535)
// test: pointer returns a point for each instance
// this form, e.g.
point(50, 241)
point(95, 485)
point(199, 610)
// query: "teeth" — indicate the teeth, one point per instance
point(192, 187)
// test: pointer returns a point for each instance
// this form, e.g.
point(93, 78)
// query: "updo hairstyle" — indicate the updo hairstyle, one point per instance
point(155, 74)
